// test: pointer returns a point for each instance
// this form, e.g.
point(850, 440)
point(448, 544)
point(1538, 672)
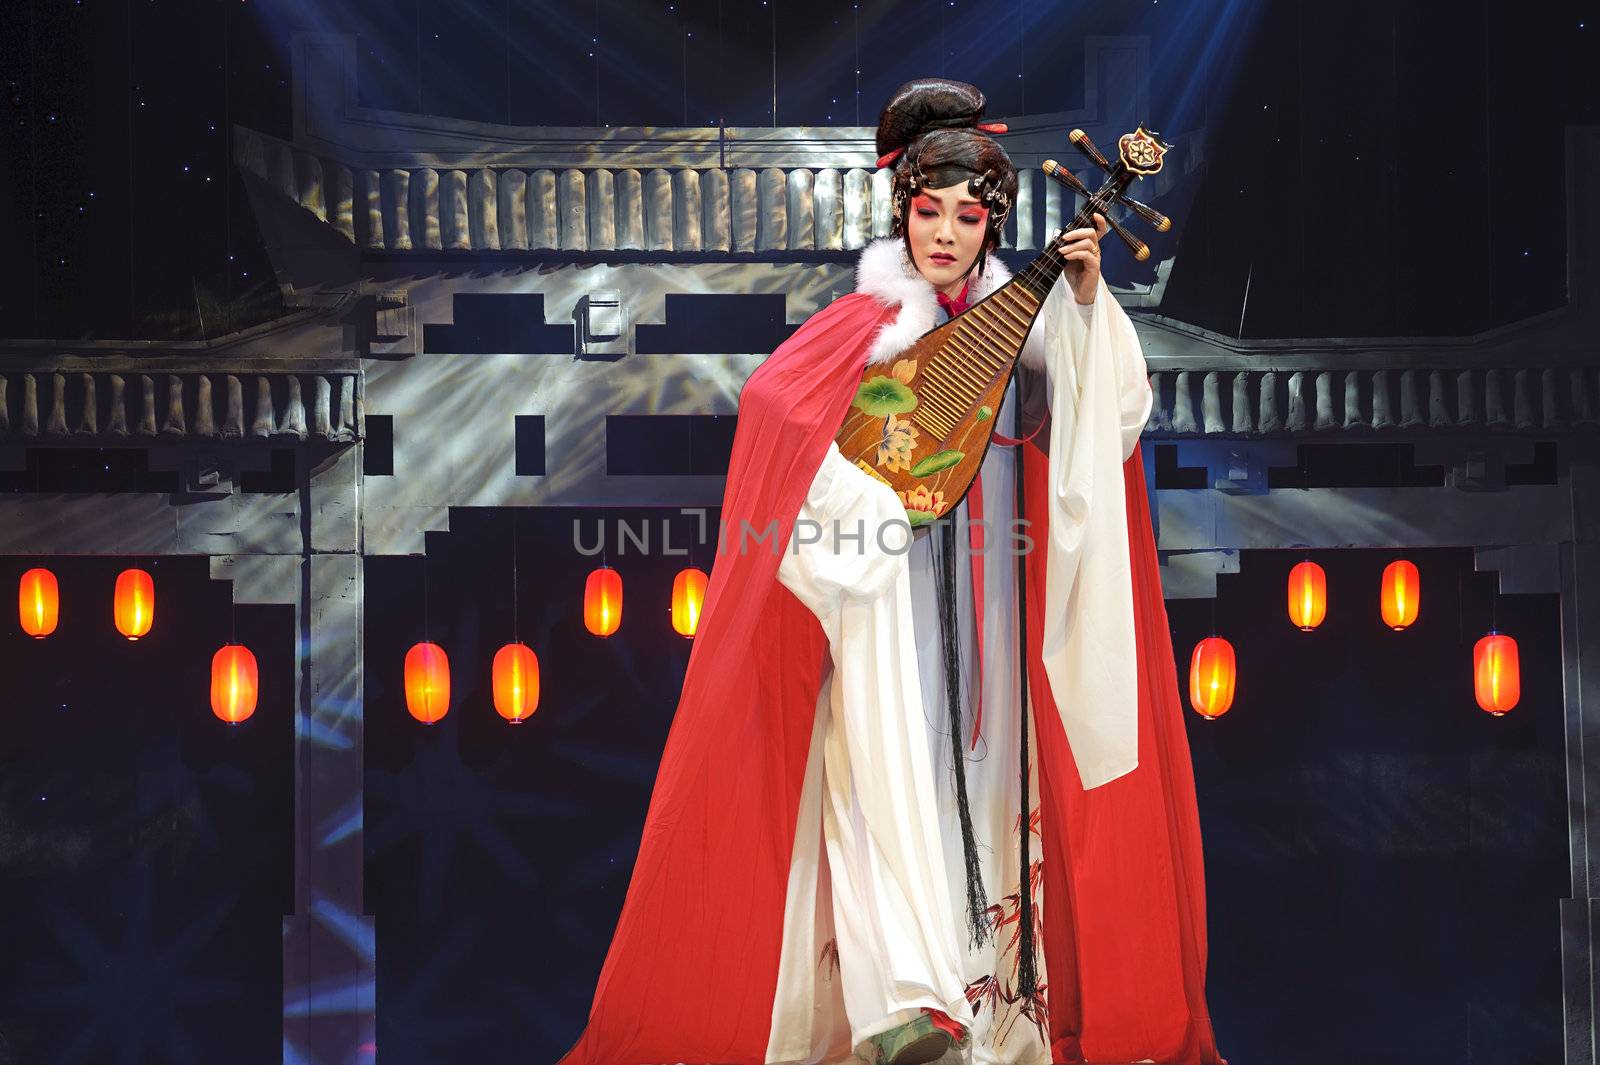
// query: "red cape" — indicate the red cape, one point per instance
point(693, 965)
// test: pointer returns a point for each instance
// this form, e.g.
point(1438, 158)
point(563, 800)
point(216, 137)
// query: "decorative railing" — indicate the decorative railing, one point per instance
point(110, 406)
point(671, 209)
point(1235, 402)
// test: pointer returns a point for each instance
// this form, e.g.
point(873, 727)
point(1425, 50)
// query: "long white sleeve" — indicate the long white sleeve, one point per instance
point(1134, 398)
point(843, 546)
point(1099, 402)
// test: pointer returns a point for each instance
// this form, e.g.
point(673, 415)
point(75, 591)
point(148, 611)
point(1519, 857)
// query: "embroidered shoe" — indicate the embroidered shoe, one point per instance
point(920, 1040)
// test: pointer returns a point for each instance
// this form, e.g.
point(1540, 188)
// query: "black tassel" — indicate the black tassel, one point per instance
point(944, 569)
point(1027, 967)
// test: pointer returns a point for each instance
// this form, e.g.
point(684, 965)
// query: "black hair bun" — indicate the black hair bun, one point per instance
point(927, 104)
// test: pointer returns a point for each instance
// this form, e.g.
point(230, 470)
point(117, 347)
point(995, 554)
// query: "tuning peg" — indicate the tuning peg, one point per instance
point(1141, 250)
point(1066, 177)
point(1156, 219)
point(1080, 140)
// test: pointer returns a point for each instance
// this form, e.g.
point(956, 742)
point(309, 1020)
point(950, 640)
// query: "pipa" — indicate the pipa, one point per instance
point(922, 422)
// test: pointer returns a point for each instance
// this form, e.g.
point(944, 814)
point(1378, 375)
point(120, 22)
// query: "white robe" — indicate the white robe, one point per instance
point(874, 925)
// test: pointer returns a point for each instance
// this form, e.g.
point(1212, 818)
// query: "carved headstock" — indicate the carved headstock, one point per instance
point(1139, 155)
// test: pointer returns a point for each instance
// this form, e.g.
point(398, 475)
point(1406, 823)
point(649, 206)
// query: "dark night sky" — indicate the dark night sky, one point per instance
point(1374, 168)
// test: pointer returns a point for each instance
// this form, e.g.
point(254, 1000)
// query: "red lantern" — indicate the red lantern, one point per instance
point(234, 683)
point(134, 603)
point(1496, 673)
point(688, 595)
point(1402, 594)
point(1212, 676)
point(1308, 595)
point(427, 682)
point(39, 603)
point(602, 601)
point(516, 682)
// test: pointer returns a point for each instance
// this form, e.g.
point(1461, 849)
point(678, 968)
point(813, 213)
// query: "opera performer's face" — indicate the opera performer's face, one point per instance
point(946, 227)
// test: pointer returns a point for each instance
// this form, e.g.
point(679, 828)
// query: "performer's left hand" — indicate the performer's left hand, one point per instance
point(1081, 249)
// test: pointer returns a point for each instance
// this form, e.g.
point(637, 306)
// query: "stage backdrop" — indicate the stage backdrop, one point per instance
point(1382, 856)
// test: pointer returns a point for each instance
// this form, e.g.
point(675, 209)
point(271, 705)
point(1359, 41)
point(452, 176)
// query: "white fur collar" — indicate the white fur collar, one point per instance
point(887, 273)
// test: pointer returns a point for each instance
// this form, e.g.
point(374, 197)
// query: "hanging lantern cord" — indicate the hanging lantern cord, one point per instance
point(516, 627)
point(425, 590)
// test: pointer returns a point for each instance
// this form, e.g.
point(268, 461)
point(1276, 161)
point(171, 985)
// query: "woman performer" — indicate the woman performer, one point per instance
point(829, 825)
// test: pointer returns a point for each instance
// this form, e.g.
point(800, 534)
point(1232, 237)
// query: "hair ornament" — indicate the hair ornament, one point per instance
point(920, 139)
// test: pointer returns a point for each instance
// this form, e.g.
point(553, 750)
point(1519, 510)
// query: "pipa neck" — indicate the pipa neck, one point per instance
point(1039, 276)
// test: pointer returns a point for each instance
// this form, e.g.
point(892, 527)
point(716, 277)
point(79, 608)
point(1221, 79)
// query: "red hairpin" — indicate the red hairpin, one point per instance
point(888, 158)
point(992, 127)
